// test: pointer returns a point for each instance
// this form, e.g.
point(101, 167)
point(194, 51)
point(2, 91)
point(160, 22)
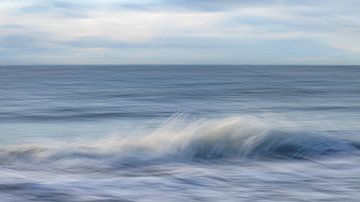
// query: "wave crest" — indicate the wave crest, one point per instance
point(182, 139)
point(242, 138)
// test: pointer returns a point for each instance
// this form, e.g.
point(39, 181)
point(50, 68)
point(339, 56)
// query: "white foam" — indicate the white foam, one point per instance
point(180, 138)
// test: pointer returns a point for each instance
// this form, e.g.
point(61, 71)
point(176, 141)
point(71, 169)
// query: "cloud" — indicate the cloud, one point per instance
point(61, 9)
point(178, 29)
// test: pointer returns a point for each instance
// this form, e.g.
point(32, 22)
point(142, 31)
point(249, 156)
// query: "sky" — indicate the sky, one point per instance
point(179, 32)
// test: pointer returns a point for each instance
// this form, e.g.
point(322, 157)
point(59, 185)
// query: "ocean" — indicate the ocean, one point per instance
point(179, 133)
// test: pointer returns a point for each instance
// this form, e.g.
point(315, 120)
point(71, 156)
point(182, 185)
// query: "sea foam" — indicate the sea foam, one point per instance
point(182, 139)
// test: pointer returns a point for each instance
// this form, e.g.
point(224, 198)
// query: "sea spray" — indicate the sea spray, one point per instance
point(182, 139)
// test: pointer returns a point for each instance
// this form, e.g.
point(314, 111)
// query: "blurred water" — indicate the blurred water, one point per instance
point(263, 133)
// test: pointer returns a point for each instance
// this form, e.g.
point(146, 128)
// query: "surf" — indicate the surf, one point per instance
point(180, 139)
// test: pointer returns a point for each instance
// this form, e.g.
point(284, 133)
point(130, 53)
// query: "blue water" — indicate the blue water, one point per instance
point(172, 133)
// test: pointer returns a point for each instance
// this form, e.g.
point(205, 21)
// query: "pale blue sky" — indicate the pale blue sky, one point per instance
point(179, 32)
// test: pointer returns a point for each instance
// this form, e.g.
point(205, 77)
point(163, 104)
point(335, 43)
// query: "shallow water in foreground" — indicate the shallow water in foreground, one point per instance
point(180, 133)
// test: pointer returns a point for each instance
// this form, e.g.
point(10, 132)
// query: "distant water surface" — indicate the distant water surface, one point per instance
point(172, 133)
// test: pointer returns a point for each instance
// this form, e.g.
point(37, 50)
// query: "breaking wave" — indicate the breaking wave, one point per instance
point(180, 139)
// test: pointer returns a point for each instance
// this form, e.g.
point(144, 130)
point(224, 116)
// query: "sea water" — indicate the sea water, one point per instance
point(179, 133)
